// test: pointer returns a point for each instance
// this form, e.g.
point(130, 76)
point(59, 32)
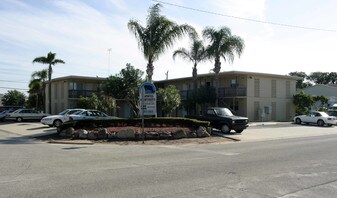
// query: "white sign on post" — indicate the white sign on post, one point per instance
point(148, 99)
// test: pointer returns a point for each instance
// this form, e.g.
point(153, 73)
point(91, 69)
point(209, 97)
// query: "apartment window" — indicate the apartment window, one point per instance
point(208, 84)
point(256, 110)
point(273, 110)
point(288, 89)
point(257, 88)
point(273, 88)
point(75, 86)
point(288, 107)
point(62, 90)
point(55, 90)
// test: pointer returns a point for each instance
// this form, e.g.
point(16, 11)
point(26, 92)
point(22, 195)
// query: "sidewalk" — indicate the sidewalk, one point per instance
point(267, 123)
point(263, 131)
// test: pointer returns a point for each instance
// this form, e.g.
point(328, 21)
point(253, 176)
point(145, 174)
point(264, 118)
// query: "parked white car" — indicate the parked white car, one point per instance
point(25, 114)
point(57, 120)
point(88, 114)
point(316, 117)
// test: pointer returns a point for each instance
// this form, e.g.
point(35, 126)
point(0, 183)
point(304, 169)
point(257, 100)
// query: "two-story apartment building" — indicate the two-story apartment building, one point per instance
point(66, 91)
point(259, 96)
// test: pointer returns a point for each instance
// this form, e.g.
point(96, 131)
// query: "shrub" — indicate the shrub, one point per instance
point(148, 122)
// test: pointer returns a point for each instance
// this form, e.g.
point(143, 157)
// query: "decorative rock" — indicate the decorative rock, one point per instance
point(62, 133)
point(192, 134)
point(151, 135)
point(179, 134)
point(202, 132)
point(102, 133)
point(111, 135)
point(70, 131)
point(92, 135)
point(83, 134)
point(75, 134)
point(126, 134)
point(165, 135)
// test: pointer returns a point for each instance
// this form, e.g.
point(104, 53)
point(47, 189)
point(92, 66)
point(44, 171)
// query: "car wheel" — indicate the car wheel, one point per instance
point(298, 121)
point(57, 123)
point(239, 131)
point(320, 123)
point(225, 128)
point(19, 119)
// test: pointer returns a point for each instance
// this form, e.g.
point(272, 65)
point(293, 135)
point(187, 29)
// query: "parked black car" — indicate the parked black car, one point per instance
point(223, 119)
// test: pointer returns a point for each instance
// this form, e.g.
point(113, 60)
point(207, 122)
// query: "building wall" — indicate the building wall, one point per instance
point(263, 106)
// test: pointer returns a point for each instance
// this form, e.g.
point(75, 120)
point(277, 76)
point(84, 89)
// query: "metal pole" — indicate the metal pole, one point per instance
point(142, 114)
point(109, 50)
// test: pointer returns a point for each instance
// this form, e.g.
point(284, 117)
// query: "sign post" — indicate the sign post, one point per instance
point(148, 102)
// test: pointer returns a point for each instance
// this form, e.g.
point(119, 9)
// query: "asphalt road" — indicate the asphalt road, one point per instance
point(296, 167)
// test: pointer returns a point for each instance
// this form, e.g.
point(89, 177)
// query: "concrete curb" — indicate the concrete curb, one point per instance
point(69, 142)
point(225, 136)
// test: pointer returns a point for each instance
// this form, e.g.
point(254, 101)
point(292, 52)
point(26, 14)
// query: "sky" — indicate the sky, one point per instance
point(81, 32)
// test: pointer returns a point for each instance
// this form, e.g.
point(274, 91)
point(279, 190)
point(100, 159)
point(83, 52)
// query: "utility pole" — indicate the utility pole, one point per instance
point(109, 51)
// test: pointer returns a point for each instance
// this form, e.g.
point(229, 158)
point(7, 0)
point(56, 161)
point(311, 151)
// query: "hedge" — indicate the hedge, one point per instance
point(148, 122)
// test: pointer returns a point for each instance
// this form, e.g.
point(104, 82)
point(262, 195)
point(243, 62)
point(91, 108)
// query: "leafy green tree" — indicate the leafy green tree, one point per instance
point(222, 45)
point(195, 54)
point(320, 77)
point(333, 77)
point(42, 76)
point(157, 36)
point(91, 102)
point(323, 101)
point(303, 102)
point(301, 84)
point(169, 99)
point(13, 98)
point(125, 87)
point(50, 60)
point(35, 86)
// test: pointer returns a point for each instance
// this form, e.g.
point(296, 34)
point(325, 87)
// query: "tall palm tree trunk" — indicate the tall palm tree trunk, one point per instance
point(217, 67)
point(49, 87)
point(149, 70)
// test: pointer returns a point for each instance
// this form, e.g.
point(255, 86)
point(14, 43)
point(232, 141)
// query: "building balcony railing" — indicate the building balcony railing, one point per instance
point(83, 93)
point(232, 92)
point(185, 94)
point(223, 92)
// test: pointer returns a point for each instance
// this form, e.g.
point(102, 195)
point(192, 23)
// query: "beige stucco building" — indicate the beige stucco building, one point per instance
point(259, 96)
point(66, 91)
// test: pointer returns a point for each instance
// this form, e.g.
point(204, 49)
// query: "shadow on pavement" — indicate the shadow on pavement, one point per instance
point(17, 140)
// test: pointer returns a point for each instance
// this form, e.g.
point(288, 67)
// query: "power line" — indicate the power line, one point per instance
point(12, 81)
point(13, 88)
point(246, 19)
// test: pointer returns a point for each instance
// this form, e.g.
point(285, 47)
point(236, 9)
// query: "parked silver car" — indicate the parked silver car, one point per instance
point(316, 117)
point(25, 114)
point(88, 114)
point(57, 120)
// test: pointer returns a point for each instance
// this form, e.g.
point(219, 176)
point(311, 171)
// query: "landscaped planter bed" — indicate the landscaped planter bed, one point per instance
point(130, 129)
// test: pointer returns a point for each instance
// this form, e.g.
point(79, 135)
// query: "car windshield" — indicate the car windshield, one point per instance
point(223, 112)
point(324, 114)
point(64, 112)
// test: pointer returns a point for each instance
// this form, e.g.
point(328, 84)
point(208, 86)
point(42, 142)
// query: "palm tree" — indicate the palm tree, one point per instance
point(222, 45)
point(50, 60)
point(42, 77)
point(195, 54)
point(158, 35)
point(35, 86)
